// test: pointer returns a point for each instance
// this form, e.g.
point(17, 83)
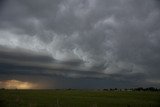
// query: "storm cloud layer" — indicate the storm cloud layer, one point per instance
point(105, 43)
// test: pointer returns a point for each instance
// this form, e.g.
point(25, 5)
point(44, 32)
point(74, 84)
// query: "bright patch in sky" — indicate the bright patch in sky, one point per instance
point(16, 84)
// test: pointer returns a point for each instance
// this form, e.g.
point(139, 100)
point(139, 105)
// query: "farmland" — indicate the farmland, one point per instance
point(78, 98)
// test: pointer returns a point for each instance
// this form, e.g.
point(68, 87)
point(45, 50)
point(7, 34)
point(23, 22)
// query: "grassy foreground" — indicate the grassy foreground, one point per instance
point(78, 98)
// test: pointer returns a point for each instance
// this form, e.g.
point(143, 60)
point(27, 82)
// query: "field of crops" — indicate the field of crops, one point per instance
point(78, 98)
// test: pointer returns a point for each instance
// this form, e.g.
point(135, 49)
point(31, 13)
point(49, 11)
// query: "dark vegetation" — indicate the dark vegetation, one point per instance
point(138, 97)
point(133, 89)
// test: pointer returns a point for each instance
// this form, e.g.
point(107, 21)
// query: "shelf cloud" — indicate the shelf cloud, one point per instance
point(102, 43)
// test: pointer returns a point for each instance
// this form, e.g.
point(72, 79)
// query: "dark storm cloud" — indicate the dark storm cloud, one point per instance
point(21, 55)
point(2, 2)
point(18, 61)
point(82, 39)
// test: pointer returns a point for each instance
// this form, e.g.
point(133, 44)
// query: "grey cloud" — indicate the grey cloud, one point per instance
point(84, 38)
point(21, 55)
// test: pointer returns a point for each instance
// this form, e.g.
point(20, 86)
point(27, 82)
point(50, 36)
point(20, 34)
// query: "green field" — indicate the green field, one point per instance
point(78, 98)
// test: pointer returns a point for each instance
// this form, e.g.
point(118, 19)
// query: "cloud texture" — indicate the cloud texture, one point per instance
point(109, 40)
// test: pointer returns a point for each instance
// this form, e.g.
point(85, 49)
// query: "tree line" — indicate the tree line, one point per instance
point(111, 89)
point(133, 89)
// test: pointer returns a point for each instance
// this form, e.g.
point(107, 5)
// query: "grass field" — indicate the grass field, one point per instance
point(78, 98)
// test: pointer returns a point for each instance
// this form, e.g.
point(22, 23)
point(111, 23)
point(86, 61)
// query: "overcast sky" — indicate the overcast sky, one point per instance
point(80, 43)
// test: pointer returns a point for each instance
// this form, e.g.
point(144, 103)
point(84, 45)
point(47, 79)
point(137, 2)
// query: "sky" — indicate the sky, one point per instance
point(79, 44)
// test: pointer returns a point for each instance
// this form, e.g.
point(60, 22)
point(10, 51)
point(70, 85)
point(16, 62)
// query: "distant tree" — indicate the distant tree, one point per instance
point(139, 89)
point(152, 89)
point(111, 89)
point(69, 89)
point(105, 89)
point(2, 89)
